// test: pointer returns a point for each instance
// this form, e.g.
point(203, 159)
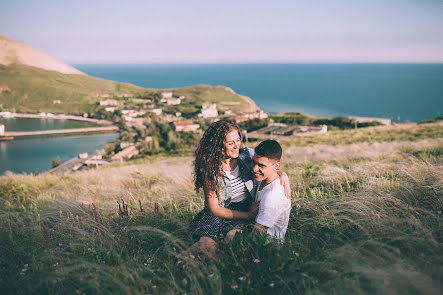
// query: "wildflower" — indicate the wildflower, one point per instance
point(89, 249)
point(192, 257)
point(210, 275)
point(256, 260)
point(55, 264)
point(242, 279)
point(145, 264)
point(154, 287)
point(234, 287)
point(296, 254)
point(271, 285)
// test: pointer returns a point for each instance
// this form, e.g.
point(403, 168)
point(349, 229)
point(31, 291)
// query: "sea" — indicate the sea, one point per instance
point(402, 92)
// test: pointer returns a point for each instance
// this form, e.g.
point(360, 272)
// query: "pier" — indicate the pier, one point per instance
point(11, 135)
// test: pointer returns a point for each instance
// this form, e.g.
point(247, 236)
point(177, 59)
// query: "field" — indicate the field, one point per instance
point(366, 218)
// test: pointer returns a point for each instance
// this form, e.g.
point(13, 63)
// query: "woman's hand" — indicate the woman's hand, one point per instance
point(284, 181)
point(254, 209)
point(219, 211)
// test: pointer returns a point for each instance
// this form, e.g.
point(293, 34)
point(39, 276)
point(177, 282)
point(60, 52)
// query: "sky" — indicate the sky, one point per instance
point(241, 31)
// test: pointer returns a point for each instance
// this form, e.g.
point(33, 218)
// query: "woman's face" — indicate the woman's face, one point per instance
point(232, 144)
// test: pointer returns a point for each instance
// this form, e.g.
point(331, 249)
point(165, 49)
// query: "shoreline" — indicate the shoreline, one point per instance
point(11, 115)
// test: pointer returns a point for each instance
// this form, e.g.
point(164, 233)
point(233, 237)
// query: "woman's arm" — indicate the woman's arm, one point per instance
point(284, 181)
point(217, 210)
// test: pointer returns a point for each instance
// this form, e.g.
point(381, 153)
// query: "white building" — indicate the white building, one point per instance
point(158, 112)
point(209, 110)
point(108, 102)
point(186, 126)
point(173, 101)
point(167, 94)
point(2, 129)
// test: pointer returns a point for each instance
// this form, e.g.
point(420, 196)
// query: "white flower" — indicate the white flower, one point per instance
point(242, 279)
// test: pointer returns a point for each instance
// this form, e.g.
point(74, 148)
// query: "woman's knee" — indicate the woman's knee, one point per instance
point(231, 234)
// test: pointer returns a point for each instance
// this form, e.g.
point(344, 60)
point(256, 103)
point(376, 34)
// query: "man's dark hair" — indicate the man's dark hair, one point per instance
point(270, 149)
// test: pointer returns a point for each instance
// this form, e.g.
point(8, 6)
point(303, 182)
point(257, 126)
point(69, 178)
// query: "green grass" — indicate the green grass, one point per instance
point(365, 219)
point(33, 90)
point(411, 132)
point(29, 90)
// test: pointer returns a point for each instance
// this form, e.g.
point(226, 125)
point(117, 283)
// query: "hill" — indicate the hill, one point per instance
point(30, 82)
point(365, 220)
point(15, 52)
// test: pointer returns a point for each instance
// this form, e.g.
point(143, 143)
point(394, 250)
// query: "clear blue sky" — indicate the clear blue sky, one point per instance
point(137, 31)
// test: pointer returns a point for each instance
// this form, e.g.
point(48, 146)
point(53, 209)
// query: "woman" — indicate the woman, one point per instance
point(223, 170)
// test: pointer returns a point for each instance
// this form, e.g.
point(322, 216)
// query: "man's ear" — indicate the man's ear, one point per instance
point(277, 164)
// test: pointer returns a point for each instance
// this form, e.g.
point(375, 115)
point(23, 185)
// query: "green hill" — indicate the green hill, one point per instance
point(30, 89)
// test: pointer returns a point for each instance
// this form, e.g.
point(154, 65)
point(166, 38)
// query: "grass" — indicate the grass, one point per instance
point(366, 219)
point(30, 90)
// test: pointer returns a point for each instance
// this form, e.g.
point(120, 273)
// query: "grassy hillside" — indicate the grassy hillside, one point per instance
point(365, 220)
point(29, 89)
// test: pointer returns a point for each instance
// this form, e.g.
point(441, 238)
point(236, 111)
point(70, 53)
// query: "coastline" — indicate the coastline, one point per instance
point(8, 115)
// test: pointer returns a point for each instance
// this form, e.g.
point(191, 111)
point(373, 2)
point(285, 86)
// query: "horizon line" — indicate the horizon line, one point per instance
point(257, 63)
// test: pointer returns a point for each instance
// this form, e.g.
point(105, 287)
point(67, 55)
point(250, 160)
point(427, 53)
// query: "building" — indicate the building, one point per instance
point(158, 112)
point(173, 101)
point(186, 126)
point(2, 129)
point(209, 110)
point(125, 154)
point(167, 94)
point(108, 102)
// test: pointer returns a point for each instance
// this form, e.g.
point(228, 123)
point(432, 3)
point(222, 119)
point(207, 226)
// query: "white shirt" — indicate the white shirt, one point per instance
point(274, 209)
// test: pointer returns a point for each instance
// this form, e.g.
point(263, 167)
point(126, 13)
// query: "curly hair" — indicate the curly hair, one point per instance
point(210, 153)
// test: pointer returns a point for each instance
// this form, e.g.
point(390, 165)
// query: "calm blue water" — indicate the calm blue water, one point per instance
point(412, 92)
point(36, 154)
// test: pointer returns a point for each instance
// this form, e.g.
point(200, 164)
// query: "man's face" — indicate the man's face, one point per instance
point(263, 167)
point(232, 144)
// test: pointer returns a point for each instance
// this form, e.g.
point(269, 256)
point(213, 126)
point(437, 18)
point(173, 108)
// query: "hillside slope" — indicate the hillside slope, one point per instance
point(15, 52)
point(365, 219)
point(30, 89)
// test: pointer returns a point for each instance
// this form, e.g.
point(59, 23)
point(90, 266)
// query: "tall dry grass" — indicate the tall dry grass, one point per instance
point(366, 219)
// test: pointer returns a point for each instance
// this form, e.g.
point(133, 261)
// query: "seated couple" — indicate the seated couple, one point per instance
point(237, 182)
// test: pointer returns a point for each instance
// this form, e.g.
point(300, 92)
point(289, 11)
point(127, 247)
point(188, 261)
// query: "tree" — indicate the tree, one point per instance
point(56, 162)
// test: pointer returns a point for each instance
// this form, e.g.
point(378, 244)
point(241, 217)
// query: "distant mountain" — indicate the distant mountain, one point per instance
point(15, 52)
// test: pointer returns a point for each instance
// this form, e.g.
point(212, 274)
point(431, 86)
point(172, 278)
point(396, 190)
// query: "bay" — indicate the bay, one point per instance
point(33, 155)
point(402, 92)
